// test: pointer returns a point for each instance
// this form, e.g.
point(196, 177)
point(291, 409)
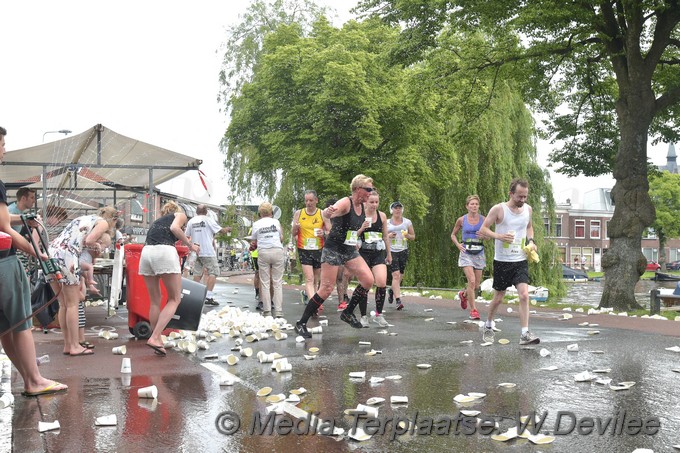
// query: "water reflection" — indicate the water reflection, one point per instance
point(589, 293)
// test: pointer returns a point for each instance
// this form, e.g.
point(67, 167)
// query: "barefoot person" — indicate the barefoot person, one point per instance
point(510, 266)
point(15, 302)
point(471, 248)
point(160, 262)
point(347, 217)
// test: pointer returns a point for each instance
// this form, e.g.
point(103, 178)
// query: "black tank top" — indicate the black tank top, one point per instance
point(341, 225)
point(159, 233)
point(376, 227)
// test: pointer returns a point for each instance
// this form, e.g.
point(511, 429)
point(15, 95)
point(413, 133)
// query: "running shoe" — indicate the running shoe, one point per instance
point(390, 295)
point(301, 329)
point(211, 301)
point(260, 306)
point(380, 320)
point(364, 322)
point(342, 305)
point(400, 306)
point(474, 314)
point(350, 319)
point(463, 300)
point(487, 334)
point(303, 297)
point(529, 338)
point(266, 313)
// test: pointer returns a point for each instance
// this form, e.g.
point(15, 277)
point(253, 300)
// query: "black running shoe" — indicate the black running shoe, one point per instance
point(301, 329)
point(390, 295)
point(350, 319)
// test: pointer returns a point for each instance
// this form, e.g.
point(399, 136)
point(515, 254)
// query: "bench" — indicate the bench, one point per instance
point(655, 300)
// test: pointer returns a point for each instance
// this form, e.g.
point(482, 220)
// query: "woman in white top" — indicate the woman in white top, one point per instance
point(268, 238)
point(400, 231)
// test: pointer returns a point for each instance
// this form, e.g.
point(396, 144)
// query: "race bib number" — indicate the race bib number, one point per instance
point(352, 238)
point(312, 244)
point(515, 247)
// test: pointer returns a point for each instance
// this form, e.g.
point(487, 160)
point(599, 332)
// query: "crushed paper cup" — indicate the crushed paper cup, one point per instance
point(313, 350)
point(470, 413)
point(358, 434)
point(673, 349)
point(466, 342)
point(276, 398)
point(463, 398)
point(202, 344)
point(584, 376)
point(106, 420)
point(278, 336)
point(375, 400)
point(572, 347)
point(47, 426)
point(394, 399)
point(503, 341)
point(424, 366)
point(549, 368)
point(507, 385)
point(364, 343)
point(232, 359)
point(370, 411)
point(506, 436)
point(246, 352)
point(376, 380)
point(315, 330)
point(299, 391)
point(603, 381)
point(603, 370)
point(540, 439)
point(299, 339)
point(357, 374)
point(6, 400)
point(264, 391)
point(282, 367)
point(226, 381)
point(309, 357)
point(119, 350)
point(428, 319)
point(394, 377)
point(293, 398)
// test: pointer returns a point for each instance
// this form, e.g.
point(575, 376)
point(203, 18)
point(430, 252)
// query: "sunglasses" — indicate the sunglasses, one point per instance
point(368, 189)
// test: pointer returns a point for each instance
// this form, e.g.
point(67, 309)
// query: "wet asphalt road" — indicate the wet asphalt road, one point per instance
point(191, 400)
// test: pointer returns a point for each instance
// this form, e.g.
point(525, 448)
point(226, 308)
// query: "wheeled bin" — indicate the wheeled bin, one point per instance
point(188, 314)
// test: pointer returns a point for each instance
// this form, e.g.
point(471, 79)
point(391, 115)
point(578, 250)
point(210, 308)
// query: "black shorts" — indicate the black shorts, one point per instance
point(373, 257)
point(506, 274)
point(399, 261)
point(310, 258)
point(255, 265)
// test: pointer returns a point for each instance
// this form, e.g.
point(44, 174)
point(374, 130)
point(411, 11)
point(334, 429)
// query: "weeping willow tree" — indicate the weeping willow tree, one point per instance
point(323, 106)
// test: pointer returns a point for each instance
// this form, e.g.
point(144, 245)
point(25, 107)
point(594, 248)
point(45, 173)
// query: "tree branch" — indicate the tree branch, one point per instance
point(669, 98)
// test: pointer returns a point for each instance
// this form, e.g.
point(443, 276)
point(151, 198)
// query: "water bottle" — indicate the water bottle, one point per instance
point(191, 260)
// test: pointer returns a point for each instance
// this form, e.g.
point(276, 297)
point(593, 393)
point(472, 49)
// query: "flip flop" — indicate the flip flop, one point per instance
point(83, 352)
point(158, 350)
point(49, 390)
point(86, 344)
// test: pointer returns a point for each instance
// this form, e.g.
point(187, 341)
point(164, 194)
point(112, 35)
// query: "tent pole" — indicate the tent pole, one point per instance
point(149, 200)
point(44, 194)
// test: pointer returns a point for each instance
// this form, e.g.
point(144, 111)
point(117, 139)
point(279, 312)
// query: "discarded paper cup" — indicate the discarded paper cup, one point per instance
point(202, 344)
point(317, 329)
point(572, 347)
point(282, 367)
point(280, 335)
point(238, 341)
point(299, 339)
point(226, 381)
point(370, 411)
point(232, 359)
point(119, 350)
point(106, 420)
point(126, 366)
point(278, 360)
point(148, 392)
point(6, 400)
point(107, 334)
point(323, 322)
point(246, 352)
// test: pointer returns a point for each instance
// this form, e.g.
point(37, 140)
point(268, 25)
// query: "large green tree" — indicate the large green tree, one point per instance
point(613, 64)
point(664, 189)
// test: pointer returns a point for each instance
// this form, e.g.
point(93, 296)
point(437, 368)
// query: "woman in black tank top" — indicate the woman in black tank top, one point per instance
point(346, 217)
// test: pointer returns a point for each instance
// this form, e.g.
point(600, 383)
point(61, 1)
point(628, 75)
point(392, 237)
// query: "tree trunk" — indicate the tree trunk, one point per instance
point(662, 249)
point(624, 262)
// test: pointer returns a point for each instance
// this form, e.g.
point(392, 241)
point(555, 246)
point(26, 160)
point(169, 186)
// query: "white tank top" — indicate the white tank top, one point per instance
point(512, 252)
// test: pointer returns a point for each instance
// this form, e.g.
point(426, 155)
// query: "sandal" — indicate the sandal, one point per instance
point(86, 344)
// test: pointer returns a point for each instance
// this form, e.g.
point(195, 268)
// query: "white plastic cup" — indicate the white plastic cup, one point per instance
point(280, 336)
point(317, 329)
point(148, 392)
point(202, 344)
point(126, 366)
point(277, 361)
point(318, 232)
point(370, 410)
point(572, 347)
point(323, 322)
point(246, 352)
point(6, 400)
point(119, 350)
point(283, 366)
point(232, 359)
point(190, 347)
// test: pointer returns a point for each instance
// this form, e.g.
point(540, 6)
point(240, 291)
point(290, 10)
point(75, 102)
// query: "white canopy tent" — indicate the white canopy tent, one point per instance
point(99, 155)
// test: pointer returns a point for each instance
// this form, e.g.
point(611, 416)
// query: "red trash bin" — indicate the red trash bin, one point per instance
point(189, 311)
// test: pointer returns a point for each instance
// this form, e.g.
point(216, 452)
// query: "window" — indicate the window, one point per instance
point(558, 227)
point(594, 229)
point(546, 225)
point(136, 211)
point(674, 255)
point(587, 252)
point(562, 251)
point(580, 229)
point(651, 254)
point(649, 233)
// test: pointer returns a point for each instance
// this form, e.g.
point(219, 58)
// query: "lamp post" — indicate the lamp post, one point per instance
point(62, 131)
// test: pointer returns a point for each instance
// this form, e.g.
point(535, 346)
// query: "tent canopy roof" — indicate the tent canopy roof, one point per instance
point(98, 154)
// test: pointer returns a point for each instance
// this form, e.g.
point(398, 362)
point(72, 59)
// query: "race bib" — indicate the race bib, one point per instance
point(515, 247)
point(312, 244)
point(372, 236)
point(352, 238)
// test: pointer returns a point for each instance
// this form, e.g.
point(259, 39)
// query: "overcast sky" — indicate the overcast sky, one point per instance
point(145, 69)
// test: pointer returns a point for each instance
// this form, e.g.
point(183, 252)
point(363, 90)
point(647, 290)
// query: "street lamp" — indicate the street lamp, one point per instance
point(62, 131)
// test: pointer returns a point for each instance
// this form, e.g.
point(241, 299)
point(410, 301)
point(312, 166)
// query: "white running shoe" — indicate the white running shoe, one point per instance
point(364, 321)
point(381, 321)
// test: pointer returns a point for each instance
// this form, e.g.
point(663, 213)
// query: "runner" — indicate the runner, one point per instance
point(510, 267)
point(400, 232)
point(347, 217)
point(471, 258)
point(309, 230)
point(375, 250)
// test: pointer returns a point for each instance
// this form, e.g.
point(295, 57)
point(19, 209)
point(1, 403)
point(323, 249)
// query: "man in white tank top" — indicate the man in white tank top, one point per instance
point(510, 267)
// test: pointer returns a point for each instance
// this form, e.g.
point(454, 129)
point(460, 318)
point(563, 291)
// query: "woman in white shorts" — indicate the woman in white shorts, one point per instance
point(160, 262)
